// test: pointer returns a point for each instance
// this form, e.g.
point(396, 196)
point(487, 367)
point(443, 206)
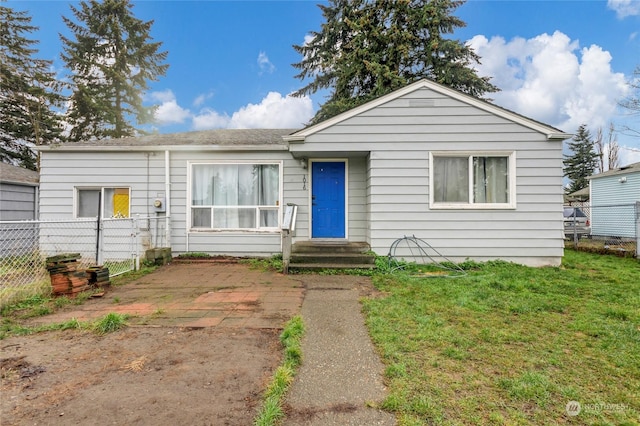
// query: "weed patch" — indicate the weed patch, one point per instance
point(271, 410)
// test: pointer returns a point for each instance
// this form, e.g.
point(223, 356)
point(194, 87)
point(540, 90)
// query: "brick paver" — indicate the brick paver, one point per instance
point(198, 295)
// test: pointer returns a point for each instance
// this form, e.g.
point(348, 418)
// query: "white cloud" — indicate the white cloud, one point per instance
point(624, 8)
point(264, 63)
point(168, 112)
point(163, 96)
point(549, 78)
point(210, 119)
point(273, 112)
point(200, 99)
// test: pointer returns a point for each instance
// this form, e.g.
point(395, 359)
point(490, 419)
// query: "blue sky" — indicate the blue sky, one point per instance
point(561, 62)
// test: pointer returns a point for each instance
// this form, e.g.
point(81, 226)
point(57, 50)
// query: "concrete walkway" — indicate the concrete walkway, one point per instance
point(341, 375)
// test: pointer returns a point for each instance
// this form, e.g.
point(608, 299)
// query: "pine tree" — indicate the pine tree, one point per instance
point(112, 59)
point(30, 94)
point(583, 161)
point(367, 48)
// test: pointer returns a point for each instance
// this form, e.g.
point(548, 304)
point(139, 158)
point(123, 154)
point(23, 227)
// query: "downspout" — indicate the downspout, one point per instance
point(167, 198)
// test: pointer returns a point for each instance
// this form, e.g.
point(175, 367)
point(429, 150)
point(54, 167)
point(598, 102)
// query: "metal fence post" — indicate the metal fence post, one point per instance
point(134, 243)
point(637, 229)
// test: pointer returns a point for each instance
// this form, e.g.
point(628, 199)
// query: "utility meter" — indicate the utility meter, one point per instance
point(159, 205)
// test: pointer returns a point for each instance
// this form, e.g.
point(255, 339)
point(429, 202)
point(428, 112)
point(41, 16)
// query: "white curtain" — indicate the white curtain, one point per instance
point(201, 195)
point(490, 180)
point(227, 188)
point(451, 179)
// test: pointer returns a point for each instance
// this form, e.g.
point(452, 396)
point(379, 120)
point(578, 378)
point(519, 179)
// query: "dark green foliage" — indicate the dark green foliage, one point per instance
point(30, 94)
point(583, 160)
point(368, 48)
point(112, 59)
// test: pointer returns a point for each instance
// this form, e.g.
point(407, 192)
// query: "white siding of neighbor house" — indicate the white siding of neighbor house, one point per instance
point(144, 173)
point(400, 134)
point(613, 205)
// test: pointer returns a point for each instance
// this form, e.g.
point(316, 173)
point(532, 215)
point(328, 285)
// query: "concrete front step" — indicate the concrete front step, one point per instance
point(343, 258)
point(329, 247)
point(320, 266)
point(315, 255)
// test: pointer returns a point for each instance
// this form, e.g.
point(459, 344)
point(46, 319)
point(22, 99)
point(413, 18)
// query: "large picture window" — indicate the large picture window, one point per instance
point(235, 196)
point(114, 201)
point(472, 180)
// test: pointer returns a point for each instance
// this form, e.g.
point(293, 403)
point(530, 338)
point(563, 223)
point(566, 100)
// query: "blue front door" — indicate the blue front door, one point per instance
point(327, 200)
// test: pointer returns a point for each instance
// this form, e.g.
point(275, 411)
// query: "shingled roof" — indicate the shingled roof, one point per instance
point(216, 137)
point(631, 168)
point(13, 174)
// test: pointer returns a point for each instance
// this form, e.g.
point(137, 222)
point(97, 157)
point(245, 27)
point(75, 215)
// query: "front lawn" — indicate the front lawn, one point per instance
point(512, 345)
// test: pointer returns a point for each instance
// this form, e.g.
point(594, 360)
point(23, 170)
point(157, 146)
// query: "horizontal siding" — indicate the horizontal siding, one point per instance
point(608, 190)
point(18, 202)
point(613, 212)
point(398, 184)
point(230, 243)
point(62, 172)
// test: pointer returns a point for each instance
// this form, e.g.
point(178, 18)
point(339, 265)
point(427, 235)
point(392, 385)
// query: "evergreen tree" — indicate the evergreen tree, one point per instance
point(583, 161)
point(29, 93)
point(367, 48)
point(112, 59)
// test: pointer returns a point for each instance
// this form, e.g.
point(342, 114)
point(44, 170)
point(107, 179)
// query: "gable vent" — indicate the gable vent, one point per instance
point(422, 102)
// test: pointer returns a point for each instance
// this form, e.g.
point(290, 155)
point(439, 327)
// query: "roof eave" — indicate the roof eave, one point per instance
point(559, 136)
point(146, 148)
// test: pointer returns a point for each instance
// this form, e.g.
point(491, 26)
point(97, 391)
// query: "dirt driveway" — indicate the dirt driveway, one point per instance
point(200, 350)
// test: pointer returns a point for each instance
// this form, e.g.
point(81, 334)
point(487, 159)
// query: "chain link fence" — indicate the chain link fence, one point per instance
point(605, 228)
point(116, 244)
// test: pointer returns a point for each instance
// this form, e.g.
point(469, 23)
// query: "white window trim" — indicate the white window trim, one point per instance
point(76, 189)
point(191, 229)
point(470, 205)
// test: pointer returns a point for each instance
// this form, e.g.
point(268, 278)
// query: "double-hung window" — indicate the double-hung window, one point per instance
point(229, 196)
point(472, 180)
point(114, 201)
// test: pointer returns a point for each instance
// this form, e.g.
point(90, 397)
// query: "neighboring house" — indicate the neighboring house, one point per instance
point(472, 179)
point(578, 197)
point(613, 195)
point(18, 193)
point(18, 202)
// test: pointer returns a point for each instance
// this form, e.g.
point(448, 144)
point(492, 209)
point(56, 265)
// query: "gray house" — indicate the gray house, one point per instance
point(18, 202)
point(613, 196)
point(470, 178)
point(18, 193)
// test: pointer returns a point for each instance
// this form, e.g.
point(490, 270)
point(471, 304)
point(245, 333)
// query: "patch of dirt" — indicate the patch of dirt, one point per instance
point(308, 414)
point(137, 376)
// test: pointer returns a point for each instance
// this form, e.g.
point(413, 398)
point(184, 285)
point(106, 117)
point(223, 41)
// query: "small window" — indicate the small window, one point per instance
point(472, 180)
point(235, 196)
point(115, 202)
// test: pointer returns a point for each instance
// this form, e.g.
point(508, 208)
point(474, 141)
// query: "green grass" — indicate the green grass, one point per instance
point(108, 324)
point(14, 314)
point(508, 344)
point(273, 263)
point(271, 411)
